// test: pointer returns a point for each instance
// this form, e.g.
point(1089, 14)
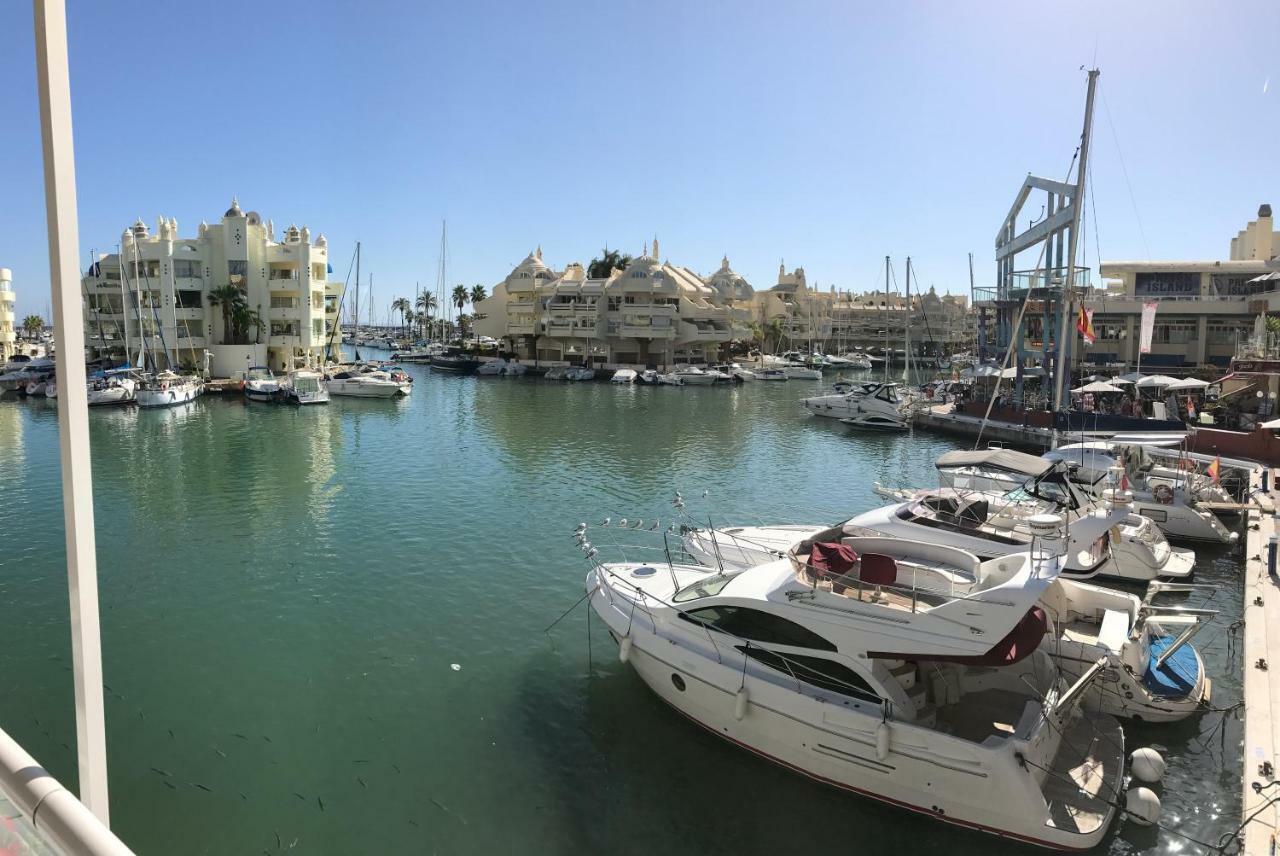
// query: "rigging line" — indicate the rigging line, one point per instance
point(1125, 170)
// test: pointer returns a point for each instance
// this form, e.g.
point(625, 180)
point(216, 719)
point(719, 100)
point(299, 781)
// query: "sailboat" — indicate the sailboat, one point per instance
point(451, 359)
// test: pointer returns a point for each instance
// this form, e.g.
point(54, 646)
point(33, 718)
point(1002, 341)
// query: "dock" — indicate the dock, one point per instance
point(1260, 790)
point(941, 419)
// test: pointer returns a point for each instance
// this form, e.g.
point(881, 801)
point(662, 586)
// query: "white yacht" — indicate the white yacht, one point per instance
point(871, 404)
point(111, 388)
point(167, 389)
point(260, 384)
point(361, 382)
point(991, 524)
point(694, 376)
point(304, 386)
point(623, 376)
point(799, 371)
point(857, 360)
point(24, 372)
point(902, 671)
point(771, 373)
point(1170, 504)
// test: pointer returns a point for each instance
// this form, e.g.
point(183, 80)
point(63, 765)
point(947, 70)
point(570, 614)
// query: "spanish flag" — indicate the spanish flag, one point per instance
point(1085, 325)
point(1215, 468)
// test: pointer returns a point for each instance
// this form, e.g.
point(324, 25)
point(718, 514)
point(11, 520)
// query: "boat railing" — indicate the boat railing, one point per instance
point(57, 818)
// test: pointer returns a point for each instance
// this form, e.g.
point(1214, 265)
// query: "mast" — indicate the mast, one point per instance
point(906, 331)
point(124, 305)
point(1077, 205)
point(885, 317)
point(355, 336)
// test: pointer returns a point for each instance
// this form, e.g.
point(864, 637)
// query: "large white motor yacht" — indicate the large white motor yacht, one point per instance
point(870, 404)
point(167, 389)
point(694, 376)
point(903, 671)
point(357, 383)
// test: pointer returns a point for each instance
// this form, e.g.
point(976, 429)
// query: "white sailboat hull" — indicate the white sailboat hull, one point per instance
point(364, 388)
point(172, 394)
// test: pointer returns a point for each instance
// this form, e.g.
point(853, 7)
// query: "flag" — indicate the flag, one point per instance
point(1085, 325)
point(1215, 468)
point(1148, 327)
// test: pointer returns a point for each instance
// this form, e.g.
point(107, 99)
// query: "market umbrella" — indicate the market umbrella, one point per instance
point(1187, 383)
point(1096, 386)
point(1097, 377)
point(1156, 380)
point(1131, 377)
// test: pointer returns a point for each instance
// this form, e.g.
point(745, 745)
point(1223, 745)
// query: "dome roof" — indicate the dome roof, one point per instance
point(234, 210)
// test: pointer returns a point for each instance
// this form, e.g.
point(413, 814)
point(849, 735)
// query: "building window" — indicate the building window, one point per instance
point(189, 329)
point(1175, 333)
point(317, 328)
point(758, 626)
point(186, 268)
point(188, 299)
point(815, 671)
point(237, 267)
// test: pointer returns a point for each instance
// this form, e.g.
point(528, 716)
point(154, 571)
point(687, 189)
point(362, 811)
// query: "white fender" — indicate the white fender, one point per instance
point(624, 649)
point(882, 741)
point(740, 701)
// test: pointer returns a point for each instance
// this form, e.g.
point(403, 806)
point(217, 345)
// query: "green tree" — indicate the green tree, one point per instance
point(410, 318)
point(426, 305)
point(478, 293)
point(232, 300)
point(403, 306)
point(459, 299)
point(32, 324)
point(602, 267)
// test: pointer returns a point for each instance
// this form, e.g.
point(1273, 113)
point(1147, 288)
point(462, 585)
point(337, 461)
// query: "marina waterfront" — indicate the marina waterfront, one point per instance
point(326, 625)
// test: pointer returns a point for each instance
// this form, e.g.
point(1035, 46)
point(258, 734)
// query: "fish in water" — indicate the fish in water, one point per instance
point(299, 796)
point(161, 772)
point(413, 822)
point(360, 761)
point(266, 738)
point(140, 714)
point(320, 803)
point(241, 736)
point(362, 782)
point(171, 737)
point(170, 785)
point(277, 840)
point(396, 767)
point(200, 786)
point(219, 751)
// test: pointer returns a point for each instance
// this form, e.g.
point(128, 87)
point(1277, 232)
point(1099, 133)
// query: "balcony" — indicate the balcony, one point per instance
point(642, 331)
point(520, 306)
point(284, 313)
point(521, 328)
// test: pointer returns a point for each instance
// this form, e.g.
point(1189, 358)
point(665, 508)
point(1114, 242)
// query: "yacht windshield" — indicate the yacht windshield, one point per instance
point(702, 588)
point(1048, 488)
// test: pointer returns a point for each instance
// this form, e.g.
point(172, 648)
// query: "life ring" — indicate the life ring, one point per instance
point(164, 384)
point(1163, 494)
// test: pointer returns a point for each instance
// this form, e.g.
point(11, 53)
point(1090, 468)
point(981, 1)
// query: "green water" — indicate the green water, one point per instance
point(285, 592)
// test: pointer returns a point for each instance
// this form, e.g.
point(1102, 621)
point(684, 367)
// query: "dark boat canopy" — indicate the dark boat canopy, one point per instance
point(1005, 459)
point(1017, 645)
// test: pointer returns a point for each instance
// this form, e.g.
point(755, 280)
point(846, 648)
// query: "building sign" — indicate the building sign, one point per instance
point(1176, 284)
point(1232, 285)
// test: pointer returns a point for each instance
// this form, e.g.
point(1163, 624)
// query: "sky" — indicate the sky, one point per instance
point(820, 134)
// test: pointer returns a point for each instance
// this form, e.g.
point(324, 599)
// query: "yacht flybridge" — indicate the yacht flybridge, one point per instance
point(908, 672)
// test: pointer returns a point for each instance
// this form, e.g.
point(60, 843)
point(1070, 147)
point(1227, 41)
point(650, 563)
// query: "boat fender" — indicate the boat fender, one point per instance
point(1163, 494)
point(624, 649)
point(1147, 765)
point(740, 701)
point(1143, 806)
point(882, 741)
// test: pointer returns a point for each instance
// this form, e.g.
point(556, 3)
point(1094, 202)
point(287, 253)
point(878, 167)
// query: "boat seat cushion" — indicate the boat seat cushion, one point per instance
point(1114, 630)
point(878, 569)
point(832, 557)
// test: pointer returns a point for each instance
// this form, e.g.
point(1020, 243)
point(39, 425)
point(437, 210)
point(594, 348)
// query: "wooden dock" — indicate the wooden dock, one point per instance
point(1261, 694)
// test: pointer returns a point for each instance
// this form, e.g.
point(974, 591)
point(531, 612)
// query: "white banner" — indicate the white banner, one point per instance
point(1148, 327)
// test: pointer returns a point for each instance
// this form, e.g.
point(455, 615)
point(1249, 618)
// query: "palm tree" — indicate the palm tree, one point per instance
point(459, 299)
point(32, 324)
point(230, 298)
point(404, 307)
point(478, 293)
point(426, 305)
point(410, 318)
point(609, 259)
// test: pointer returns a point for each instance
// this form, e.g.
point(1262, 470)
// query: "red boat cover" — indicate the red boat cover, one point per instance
point(1024, 638)
point(832, 557)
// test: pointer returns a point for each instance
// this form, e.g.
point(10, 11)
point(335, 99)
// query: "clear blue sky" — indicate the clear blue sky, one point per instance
point(826, 134)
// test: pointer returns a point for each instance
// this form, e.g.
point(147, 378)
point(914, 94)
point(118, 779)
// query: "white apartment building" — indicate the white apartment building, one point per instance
point(8, 331)
point(840, 320)
point(652, 314)
point(165, 299)
point(1205, 309)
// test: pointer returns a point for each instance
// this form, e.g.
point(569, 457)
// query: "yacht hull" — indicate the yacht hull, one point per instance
point(178, 393)
point(359, 389)
point(947, 779)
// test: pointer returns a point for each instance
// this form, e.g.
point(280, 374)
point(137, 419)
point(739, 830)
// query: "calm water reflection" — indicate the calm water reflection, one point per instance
point(285, 593)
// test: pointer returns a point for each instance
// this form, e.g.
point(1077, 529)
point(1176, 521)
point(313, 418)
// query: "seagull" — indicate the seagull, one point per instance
point(606, 521)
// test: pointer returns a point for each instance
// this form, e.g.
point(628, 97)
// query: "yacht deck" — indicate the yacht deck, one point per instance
point(1085, 775)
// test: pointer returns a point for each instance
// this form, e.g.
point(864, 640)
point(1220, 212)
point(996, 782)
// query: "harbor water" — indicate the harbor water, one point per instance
point(325, 625)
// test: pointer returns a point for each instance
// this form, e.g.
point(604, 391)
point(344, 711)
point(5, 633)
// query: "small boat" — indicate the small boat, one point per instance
point(871, 405)
point(557, 373)
point(579, 373)
point(36, 386)
point(799, 371)
point(362, 382)
point(455, 361)
point(649, 377)
point(670, 379)
point(771, 374)
point(492, 368)
point(694, 376)
point(304, 386)
point(623, 376)
point(111, 388)
point(857, 360)
point(260, 384)
point(167, 389)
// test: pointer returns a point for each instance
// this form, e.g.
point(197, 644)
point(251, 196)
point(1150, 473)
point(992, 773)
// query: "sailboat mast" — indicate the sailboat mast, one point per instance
point(906, 330)
point(1077, 205)
point(885, 318)
point(356, 332)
